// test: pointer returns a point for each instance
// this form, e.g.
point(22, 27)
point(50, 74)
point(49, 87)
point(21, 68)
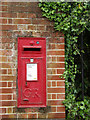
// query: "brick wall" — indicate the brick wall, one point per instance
point(24, 19)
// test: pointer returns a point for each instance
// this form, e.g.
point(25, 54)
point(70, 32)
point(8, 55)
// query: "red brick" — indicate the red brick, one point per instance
point(55, 65)
point(39, 15)
point(1, 3)
point(31, 15)
point(45, 34)
point(6, 45)
point(9, 116)
point(56, 90)
point(10, 78)
point(0, 47)
point(9, 15)
point(4, 71)
point(49, 96)
point(60, 109)
point(60, 46)
point(49, 84)
point(0, 8)
point(40, 21)
point(0, 60)
point(32, 116)
point(0, 117)
point(36, 34)
point(4, 33)
point(34, 8)
point(9, 110)
point(53, 96)
point(3, 21)
point(29, 110)
point(34, 109)
point(20, 8)
point(53, 109)
point(60, 83)
point(57, 34)
point(8, 65)
point(22, 21)
point(9, 84)
point(14, 71)
point(0, 38)
point(60, 96)
point(31, 27)
point(19, 32)
point(56, 115)
point(6, 90)
point(55, 102)
point(55, 52)
point(22, 115)
point(0, 52)
point(60, 59)
point(22, 27)
point(12, 4)
point(42, 115)
point(7, 52)
point(49, 59)
point(9, 21)
point(54, 59)
point(0, 33)
point(6, 97)
point(9, 27)
point(22, 15)
point(8, 103)
point(9, 71)
point(4, 40)
point(51, 46)
point(4, 8)
point(53, 83)
point(51, 71)
point(15, 8)
point(2, 110)
point(60, 71)
point(3, 84)
point(54, 39)
point(14, 84)
point(14, 96)
point(55, 77)
point(50, 28)
point(41, 28)
point(12, 59)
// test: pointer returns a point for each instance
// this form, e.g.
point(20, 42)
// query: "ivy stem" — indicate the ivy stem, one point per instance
point(82, 67)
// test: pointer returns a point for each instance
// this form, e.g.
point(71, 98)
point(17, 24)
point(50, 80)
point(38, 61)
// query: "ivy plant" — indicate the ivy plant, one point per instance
point(71, 19)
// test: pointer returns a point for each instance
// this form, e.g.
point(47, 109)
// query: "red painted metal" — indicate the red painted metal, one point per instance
point(31, 72)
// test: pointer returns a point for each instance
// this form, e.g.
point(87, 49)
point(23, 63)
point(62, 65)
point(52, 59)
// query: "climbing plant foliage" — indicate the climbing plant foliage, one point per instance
point(72, 19)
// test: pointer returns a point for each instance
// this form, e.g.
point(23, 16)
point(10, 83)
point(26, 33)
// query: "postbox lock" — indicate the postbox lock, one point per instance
point(37, 42)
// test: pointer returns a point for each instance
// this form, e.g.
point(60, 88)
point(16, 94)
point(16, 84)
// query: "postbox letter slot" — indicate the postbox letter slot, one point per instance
point(32, 49)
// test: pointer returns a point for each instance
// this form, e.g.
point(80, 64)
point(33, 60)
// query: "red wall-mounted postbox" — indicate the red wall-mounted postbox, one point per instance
point(31, 72)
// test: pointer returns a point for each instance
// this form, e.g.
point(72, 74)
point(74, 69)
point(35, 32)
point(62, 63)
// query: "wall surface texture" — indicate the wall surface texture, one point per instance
point(24, 19)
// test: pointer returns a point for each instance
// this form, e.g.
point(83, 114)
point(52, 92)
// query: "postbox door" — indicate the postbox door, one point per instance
point(31, 84)
point(31, 72)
